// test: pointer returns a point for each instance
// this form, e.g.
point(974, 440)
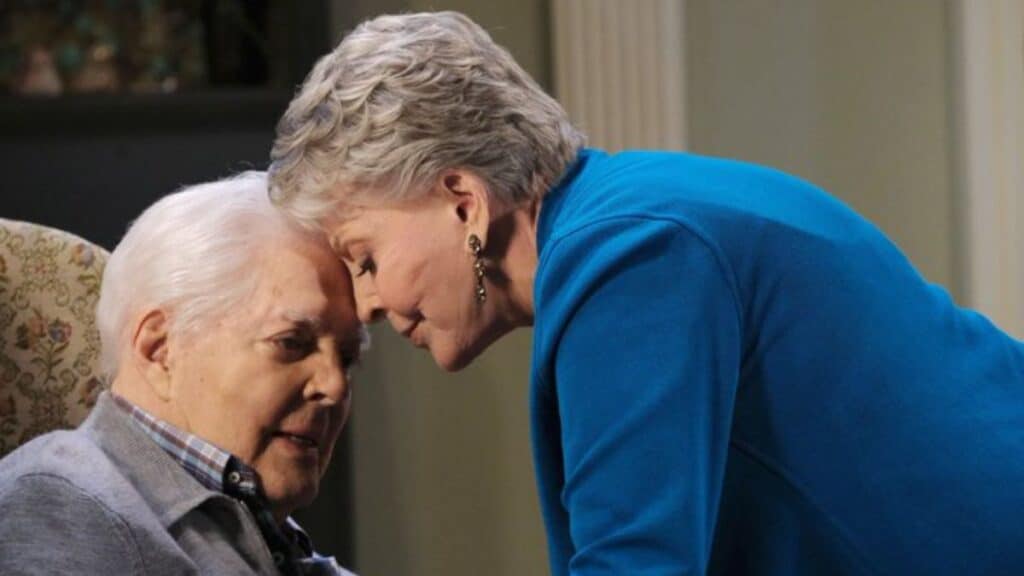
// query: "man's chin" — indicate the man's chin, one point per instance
point(286, 499)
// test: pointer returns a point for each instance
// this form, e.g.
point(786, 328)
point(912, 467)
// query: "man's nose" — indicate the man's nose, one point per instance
point(331, 380)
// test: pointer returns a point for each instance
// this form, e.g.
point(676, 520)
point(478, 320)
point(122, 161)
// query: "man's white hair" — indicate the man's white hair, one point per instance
point(403, 98)
point(192, 253)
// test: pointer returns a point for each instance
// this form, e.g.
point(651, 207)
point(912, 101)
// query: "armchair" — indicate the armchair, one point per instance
point(49, 346)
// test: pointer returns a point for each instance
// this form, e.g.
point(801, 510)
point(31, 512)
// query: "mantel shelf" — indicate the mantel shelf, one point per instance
point(126, 113)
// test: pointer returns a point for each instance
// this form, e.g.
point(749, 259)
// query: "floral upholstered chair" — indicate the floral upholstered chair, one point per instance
point(49, 346)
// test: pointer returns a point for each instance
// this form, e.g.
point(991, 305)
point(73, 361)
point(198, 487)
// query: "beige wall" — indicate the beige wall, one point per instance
point(852, 95)
point(443, 476)
point(521, 26)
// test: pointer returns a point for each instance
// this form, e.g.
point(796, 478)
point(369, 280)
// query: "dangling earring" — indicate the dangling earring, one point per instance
point(478, 268)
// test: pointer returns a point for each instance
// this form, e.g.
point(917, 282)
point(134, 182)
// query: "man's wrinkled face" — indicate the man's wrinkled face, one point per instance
point(268, 382)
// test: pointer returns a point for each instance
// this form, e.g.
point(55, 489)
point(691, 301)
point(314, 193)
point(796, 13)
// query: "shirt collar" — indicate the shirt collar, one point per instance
point(206, 463)
point(223, 472)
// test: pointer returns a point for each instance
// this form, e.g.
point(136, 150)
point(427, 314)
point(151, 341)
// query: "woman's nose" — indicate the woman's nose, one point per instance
point(368, 306)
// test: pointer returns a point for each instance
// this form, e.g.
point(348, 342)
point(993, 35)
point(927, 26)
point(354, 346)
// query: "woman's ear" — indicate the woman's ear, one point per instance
point(149, 350)
point(466, 194)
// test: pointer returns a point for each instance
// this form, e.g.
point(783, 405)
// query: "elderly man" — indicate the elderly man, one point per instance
point(226, 336)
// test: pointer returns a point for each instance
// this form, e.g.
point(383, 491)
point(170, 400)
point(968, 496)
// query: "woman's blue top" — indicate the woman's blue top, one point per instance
point(734, 373)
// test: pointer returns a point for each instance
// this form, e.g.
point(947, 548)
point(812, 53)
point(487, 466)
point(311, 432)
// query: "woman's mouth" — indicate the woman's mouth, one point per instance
point(410, 333)
point(410, 329)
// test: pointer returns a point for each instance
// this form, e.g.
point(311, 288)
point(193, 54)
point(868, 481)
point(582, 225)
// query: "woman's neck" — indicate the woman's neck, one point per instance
point(518, 264)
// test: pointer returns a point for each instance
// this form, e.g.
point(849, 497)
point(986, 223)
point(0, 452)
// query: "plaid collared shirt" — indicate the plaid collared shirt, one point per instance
point(220, 471)
point(204, 461)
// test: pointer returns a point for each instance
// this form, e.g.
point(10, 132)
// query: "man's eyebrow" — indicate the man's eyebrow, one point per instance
point(358, 341)
point(304, 320)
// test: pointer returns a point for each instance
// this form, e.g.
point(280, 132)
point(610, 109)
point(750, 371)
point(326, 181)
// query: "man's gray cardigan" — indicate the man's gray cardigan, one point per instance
point(105, 499)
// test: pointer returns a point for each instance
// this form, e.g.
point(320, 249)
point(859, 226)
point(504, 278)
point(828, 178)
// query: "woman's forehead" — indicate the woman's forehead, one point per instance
point(361, 222)
point(343, 234)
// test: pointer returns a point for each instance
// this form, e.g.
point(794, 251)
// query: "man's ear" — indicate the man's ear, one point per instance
point(149, 348)
point(466, 194)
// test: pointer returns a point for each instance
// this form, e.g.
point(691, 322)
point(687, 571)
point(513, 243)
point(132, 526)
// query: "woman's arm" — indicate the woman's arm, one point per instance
point(646, 363)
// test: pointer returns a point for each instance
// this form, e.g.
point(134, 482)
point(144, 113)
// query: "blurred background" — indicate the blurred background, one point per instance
point(912, 112)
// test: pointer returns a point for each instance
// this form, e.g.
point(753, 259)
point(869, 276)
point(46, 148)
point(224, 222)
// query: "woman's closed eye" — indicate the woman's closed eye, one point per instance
point(367, 266)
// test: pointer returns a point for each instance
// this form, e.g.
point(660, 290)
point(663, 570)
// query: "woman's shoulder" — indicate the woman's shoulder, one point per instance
point(720, 200)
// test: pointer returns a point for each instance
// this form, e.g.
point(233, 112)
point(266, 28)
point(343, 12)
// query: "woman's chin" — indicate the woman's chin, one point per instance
point(452, 361)
point(452, 357)
point(455, 358)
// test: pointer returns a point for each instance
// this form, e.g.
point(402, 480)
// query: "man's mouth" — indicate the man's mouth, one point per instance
point(308, 433)
point(300, 439)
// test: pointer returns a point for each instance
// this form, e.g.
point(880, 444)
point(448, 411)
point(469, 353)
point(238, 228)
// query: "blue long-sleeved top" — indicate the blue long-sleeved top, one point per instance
point(733, 373)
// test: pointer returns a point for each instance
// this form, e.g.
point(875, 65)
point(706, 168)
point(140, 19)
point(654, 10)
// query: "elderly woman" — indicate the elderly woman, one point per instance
point(733, 373)
point(226, 335)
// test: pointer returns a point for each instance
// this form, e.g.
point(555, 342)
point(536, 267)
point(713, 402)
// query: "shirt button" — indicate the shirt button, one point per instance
point(234, 478)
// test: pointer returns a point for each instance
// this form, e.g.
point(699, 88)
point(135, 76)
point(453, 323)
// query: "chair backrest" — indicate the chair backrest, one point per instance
point(49, 346)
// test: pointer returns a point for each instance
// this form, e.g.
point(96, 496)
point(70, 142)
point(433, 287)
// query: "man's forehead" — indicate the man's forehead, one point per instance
point(294, 294)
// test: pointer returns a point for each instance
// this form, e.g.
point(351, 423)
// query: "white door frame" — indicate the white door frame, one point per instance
point(620, 70)
point(988, 40)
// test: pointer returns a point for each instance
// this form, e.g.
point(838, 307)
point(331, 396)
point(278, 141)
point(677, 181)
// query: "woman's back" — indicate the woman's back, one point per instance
point(822, 407)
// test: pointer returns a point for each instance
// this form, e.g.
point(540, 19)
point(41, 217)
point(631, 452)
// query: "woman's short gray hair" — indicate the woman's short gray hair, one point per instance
point(403, 98)
point(191, 253)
